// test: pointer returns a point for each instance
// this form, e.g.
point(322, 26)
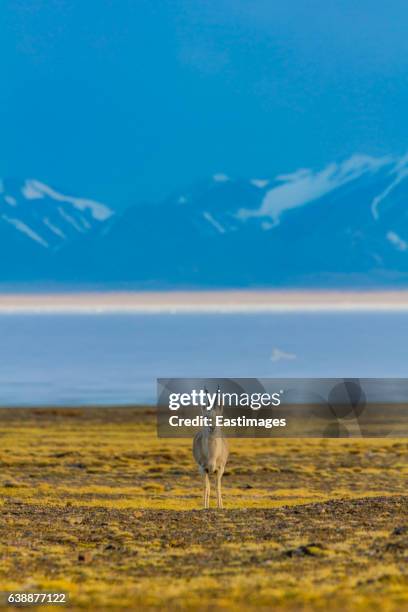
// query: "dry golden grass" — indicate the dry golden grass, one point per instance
point(94, 504)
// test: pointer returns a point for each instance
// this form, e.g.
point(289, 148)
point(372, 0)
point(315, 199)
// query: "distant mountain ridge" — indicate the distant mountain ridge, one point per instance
point(345, 225)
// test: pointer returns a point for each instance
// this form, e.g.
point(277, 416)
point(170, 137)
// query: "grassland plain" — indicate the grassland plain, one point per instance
point(95, 505)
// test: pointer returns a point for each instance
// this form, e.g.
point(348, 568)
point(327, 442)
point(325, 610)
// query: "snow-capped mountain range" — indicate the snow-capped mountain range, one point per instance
point(343, 225)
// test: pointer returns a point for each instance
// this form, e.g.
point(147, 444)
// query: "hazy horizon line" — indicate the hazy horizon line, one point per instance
point(205, 302)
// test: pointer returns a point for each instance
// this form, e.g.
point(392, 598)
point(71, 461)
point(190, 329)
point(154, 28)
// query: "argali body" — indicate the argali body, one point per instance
point(210, 450)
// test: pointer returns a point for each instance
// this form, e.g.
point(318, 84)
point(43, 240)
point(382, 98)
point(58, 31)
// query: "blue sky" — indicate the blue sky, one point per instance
point(126, 100)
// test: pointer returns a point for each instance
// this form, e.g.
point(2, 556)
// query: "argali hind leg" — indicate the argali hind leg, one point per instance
point(207, 490)
point(219, 494)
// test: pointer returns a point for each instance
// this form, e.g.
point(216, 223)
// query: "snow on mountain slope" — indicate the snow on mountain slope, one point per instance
point(343, 225)
point(304, 186)
point(41, 214)
point(346, 223)
point(34, 190)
